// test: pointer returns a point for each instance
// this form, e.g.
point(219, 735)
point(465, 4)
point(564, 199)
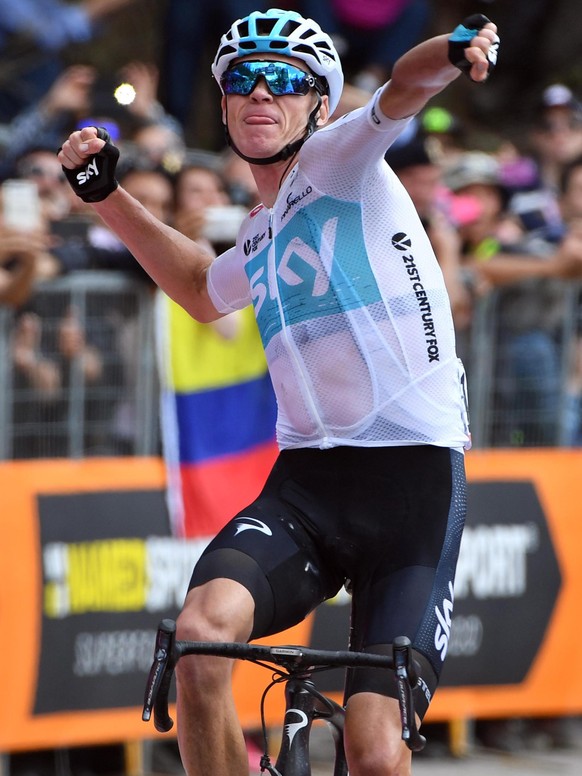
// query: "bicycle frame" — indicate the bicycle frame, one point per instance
point(303, 702)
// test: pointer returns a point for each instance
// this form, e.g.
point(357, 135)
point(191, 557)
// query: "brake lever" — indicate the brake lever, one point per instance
point(406, 680)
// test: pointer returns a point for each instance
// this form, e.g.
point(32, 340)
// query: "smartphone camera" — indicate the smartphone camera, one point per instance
point(21, 205)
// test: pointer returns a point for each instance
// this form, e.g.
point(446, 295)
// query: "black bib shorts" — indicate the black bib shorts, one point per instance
point(384, 521)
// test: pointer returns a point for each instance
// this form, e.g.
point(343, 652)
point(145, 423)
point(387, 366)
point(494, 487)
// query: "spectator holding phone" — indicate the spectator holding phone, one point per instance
point(22, 264)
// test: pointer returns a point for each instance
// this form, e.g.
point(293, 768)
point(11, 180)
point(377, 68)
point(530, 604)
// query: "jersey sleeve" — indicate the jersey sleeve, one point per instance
point(228, 285)
point(359, 139)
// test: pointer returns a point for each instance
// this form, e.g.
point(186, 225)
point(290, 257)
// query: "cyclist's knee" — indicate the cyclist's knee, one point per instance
point(378, 763)
point(219, 610)
point(381, 758)
point(374, 745)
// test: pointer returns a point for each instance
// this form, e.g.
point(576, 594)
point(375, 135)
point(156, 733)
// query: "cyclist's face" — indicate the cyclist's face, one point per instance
point(260, 123)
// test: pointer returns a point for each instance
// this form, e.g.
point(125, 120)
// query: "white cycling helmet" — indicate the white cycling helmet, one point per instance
point(283, 32)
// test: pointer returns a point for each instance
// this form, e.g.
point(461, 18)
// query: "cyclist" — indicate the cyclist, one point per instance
point(356, 325)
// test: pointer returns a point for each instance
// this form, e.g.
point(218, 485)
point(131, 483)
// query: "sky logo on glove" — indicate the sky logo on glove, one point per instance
point(93, 182)
point(493, 52)
point(85, 175)
point(462, 37)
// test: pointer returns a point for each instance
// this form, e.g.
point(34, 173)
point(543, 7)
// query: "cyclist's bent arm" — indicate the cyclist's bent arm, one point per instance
point(425, 70)
point(174, 262)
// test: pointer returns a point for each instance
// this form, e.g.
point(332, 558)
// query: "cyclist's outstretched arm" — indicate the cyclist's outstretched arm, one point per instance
point(427, 69)
point(175, 263)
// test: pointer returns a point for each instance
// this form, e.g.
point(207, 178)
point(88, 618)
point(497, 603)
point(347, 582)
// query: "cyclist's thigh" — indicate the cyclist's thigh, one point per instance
point(413, 596)
point(267, 550)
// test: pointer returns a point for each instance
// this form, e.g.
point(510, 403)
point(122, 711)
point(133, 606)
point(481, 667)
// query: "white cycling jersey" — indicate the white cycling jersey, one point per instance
point(349, 299)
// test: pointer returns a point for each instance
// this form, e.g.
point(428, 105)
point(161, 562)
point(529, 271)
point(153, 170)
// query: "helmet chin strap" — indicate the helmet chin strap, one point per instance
point(288, 151)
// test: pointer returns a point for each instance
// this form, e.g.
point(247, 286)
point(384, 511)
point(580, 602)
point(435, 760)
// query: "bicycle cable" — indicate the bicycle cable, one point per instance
point(265, 763)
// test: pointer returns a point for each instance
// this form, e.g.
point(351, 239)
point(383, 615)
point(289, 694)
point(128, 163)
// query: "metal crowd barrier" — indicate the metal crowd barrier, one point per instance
point(523, 360)
point(93, 335)
point(525, 366)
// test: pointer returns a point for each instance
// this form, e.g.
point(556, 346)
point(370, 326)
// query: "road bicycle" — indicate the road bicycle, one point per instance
point(294, 666)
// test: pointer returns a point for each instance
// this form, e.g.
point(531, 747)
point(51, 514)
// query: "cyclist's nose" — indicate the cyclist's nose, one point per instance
point(260, 90)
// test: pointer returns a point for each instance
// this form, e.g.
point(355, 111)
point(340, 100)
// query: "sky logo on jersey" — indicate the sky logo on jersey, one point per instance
point(318, 271)
point(444, 623)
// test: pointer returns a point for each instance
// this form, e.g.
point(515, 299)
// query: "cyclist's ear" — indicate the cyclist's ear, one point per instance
point(323, 112)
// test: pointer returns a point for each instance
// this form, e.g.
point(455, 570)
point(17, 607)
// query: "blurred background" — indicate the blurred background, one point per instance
point(106, 387)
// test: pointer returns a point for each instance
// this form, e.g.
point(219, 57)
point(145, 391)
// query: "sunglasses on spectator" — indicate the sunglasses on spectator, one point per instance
point(281, 78)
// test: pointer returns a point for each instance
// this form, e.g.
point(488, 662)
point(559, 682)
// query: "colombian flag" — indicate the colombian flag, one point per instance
point(218, 418)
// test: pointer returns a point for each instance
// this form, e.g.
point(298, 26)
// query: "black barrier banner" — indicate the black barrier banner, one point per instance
point(506, 587)
point(111, 571)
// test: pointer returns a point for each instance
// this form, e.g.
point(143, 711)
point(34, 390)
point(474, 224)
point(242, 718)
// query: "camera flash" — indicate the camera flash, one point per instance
point(124, 94)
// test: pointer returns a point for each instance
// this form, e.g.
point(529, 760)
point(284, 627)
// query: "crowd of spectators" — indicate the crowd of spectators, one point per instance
point(505, 225)
point(504, 215)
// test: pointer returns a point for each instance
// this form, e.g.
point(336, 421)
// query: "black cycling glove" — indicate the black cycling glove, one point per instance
point(461, 38)
point(95, 180)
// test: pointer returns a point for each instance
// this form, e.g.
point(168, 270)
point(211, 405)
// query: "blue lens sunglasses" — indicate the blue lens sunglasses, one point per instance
point(280, 77)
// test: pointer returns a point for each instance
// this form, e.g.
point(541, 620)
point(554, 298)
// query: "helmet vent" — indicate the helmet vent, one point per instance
point(265, 26)
point(323, 44)
point(225, 51)
point(309, 50)
point(289, 28)
point(243, 29)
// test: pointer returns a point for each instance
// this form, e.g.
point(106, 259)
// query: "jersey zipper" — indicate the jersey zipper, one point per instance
point(292, 349)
